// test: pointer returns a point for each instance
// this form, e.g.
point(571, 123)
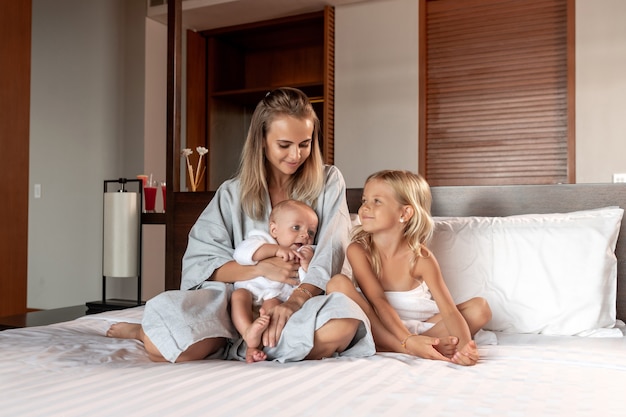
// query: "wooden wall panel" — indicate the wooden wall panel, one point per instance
point(328, 132)
point(15, 39)
point(196, 100)
point(189, 207)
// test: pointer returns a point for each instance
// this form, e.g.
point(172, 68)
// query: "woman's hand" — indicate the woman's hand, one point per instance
point(424, 347)
point(279, 316)
point(280, 270)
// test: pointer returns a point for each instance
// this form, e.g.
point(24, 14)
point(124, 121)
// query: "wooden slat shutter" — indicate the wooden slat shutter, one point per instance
point(497, 92)
point(328, 133)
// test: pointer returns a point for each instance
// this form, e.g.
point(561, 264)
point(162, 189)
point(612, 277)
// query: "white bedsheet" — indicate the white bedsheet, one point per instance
point(72, 369)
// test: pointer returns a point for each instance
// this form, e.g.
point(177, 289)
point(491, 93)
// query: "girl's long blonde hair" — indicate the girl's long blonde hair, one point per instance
point(307, 182)
point(412, 190)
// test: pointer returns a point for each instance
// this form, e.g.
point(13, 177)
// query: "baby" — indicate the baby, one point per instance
point(292, 228)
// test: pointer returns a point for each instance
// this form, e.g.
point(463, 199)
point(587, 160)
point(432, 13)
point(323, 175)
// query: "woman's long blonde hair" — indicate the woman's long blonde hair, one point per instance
point(412, 190)
point(307, 182)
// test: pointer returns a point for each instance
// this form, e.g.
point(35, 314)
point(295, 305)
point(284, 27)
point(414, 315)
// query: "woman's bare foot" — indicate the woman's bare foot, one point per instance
point(447, 346)
point(123, 330)
point(252, 337)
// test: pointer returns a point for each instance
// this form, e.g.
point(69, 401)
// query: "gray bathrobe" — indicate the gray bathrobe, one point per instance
point(174, 320)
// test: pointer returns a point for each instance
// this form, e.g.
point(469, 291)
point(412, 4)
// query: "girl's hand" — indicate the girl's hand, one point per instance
point(280, 270)
point(423, 346)
point(467, 356)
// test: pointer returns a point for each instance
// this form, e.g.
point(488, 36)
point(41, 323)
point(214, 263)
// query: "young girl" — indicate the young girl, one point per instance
point(406, 298)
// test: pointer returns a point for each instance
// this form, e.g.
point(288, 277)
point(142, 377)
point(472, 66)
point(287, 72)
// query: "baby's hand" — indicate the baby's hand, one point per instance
point(285, 253)
point(468, 355)
point(305, 254)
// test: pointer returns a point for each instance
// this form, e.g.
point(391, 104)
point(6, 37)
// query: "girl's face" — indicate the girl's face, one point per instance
point(288, 144)
point(380, 210)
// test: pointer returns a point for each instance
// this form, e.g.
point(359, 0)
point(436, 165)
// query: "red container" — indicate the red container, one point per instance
point(150, 196)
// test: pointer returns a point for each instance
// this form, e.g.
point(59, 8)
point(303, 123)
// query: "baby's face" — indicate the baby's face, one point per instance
point(294, 227)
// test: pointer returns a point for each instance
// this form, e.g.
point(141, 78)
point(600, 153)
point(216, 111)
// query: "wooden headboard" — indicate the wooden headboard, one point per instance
point(458, 201)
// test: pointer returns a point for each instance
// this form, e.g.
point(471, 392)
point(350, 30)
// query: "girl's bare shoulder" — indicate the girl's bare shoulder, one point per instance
point(356, 247)
point(424, 260)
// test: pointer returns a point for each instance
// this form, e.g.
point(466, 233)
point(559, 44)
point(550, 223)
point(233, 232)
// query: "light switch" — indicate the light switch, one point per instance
point(619, 177)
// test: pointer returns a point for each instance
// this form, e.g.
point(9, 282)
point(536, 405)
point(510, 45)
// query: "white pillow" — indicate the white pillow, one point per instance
point(542, 273)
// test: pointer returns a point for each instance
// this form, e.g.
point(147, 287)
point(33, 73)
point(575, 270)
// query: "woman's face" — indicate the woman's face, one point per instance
point(288, 144)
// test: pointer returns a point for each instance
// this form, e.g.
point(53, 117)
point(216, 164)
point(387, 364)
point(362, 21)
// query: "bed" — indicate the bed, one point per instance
point(532, 366)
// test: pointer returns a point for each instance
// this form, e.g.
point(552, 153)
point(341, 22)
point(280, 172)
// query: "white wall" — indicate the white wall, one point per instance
point(87, 115)
point(600, 89)
point(89, 98)
point(376, 88)
point(155, 123)
point(376, 47)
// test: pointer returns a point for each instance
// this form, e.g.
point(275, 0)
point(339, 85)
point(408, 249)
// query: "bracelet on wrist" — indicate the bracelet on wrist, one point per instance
point(403, 342)
point(304, 290)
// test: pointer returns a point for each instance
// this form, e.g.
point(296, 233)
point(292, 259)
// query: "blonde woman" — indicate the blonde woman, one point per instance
point(281, 160)
point(402, 288)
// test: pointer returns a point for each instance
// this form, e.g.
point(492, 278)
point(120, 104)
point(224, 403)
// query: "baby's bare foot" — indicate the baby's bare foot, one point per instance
point(255, 355)
point(447, 346)
point(124, 330)
point(252, 335)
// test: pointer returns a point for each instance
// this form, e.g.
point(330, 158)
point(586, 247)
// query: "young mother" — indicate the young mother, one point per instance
point(281, 159)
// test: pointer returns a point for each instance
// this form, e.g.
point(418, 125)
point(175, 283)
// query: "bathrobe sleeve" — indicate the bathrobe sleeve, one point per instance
point(333, 230)
point(212, 239)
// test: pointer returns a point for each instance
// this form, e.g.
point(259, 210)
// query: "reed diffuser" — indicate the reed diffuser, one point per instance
point(195, 177)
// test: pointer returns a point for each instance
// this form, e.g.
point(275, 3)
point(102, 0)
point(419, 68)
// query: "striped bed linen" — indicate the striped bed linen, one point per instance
point(72, 369)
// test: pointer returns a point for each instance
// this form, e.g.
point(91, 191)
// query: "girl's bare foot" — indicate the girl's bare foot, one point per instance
point(252, 337)
point(123, 330)
point(447, 346)
point(468, 355)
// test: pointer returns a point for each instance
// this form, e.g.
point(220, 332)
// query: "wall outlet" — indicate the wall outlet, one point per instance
point(619, 177)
